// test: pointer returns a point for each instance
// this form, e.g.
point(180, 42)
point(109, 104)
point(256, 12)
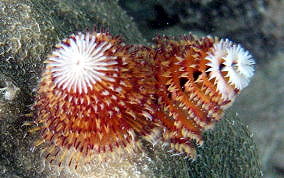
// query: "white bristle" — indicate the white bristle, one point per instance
point(82, 63)
point(238, 64)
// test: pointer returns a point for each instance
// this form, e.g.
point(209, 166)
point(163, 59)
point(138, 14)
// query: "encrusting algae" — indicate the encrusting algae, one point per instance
point(99, 98)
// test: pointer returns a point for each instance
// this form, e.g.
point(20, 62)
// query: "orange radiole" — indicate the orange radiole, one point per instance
point(99, 96)
point(196, 79)
point(94, 99)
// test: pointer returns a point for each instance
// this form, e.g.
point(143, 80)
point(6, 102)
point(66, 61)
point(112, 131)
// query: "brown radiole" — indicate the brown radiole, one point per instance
point(99, 97)
point(109, 113)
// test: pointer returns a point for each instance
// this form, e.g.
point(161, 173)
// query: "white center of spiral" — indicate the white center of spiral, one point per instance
point(82, 62)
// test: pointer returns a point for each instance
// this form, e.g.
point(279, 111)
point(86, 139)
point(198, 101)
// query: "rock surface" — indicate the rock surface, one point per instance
point(260, 21)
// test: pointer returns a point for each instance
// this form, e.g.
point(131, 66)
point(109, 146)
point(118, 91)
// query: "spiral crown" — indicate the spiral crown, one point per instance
point(99, 98)
point(231, 66)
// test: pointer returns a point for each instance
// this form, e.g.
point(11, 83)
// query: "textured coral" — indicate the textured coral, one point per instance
point(268, 125)
point(55, 20)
